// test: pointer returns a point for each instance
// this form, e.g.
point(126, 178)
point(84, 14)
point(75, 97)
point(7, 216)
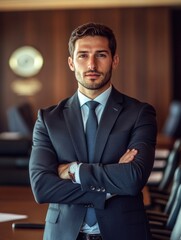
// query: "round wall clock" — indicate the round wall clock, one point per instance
point(26, 61)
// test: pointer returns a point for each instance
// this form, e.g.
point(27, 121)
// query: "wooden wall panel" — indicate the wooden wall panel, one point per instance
point(143, 35)
point(176, 23)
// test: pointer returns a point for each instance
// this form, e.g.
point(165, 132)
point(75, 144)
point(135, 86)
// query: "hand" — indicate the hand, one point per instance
point(128, 156)
point(63, 171)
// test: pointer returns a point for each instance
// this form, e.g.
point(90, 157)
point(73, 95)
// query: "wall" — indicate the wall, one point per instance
point(144, 46)
point(176, 33)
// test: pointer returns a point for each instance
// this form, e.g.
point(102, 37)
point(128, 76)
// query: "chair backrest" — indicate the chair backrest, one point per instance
point(172, 126)
point(20, 119)
point(176, 231)
point(172, 163)
point(175, 210)
point(174, 189)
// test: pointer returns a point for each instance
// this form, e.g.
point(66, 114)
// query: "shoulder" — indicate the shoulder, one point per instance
point(130, 102)
point(53, 112)
point(58, 108)
point(137, 104)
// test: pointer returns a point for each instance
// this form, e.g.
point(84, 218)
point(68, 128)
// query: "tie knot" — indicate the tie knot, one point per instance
point(92, 104)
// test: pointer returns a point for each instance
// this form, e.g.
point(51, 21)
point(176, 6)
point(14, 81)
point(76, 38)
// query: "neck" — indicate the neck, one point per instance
point(93, 93)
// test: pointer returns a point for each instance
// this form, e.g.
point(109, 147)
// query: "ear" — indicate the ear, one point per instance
point(70, 63)
point(115, 61)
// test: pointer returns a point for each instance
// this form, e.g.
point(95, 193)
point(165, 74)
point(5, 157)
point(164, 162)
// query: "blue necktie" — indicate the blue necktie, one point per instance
point(91, 129)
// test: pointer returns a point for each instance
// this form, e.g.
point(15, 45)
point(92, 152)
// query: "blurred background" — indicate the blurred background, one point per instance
point(149, 46)
point(34, 72)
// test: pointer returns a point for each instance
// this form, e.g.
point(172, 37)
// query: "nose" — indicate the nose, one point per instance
point(92, 63)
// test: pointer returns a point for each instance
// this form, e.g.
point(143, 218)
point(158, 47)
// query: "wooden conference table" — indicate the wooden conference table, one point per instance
point(19, 200)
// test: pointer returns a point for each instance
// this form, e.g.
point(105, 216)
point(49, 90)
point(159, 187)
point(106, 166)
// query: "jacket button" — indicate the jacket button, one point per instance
point(89, 205)
point(92, 188)
point(103, 189)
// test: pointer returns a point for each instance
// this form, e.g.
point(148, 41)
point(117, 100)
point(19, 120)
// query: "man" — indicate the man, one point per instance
point(102, 177)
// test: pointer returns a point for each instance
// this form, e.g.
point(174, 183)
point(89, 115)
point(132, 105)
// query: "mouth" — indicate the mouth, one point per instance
point(92, 75)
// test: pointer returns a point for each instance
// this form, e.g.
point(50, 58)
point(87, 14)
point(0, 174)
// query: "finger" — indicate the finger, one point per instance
point(128, 159)
point(128, 156)
point(131, 154)
point(61, 169)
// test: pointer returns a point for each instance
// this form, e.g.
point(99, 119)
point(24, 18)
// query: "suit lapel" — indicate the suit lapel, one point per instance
point(73, 118)
point(111, 112)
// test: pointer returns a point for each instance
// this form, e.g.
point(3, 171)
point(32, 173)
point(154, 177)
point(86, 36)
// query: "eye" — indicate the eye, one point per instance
point(101, 55)
point(82, 55)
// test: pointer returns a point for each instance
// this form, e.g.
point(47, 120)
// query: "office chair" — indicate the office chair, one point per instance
point(166, 176)
point(172, 126)
point(15, 146)
point(176, 232)
point(20, 119)
point(160, 220)
point(161, 205)
point(172, 229)
point(161, 156)
point(14, 160)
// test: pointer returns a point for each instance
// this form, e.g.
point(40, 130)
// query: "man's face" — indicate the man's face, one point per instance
point(92, 63)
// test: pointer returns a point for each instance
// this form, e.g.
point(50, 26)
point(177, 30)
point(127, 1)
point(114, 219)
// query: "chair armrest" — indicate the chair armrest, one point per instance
point(156, 225)
point(161, 219)
point(162, 153)
point(156, 214)
point(160, 237)
point(159, 195)
point(162, 232)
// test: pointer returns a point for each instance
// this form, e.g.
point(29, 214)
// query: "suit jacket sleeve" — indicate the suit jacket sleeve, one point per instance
point(135, 128)
point(46, 185)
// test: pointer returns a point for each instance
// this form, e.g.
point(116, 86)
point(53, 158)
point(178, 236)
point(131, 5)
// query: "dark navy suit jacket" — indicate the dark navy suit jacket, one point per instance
point(59, 138)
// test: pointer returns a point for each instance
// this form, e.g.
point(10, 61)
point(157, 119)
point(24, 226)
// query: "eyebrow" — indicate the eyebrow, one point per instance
point(98, 51)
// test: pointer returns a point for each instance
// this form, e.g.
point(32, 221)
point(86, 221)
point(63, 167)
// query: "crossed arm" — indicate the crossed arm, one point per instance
point(129, 155)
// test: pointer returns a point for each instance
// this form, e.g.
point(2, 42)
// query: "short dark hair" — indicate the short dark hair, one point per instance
point(92, 29)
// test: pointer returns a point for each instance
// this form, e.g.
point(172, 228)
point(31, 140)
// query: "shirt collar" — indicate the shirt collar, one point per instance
point(102, 98)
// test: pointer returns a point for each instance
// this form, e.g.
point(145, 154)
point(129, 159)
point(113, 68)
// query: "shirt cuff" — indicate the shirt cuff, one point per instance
point(74, 171)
